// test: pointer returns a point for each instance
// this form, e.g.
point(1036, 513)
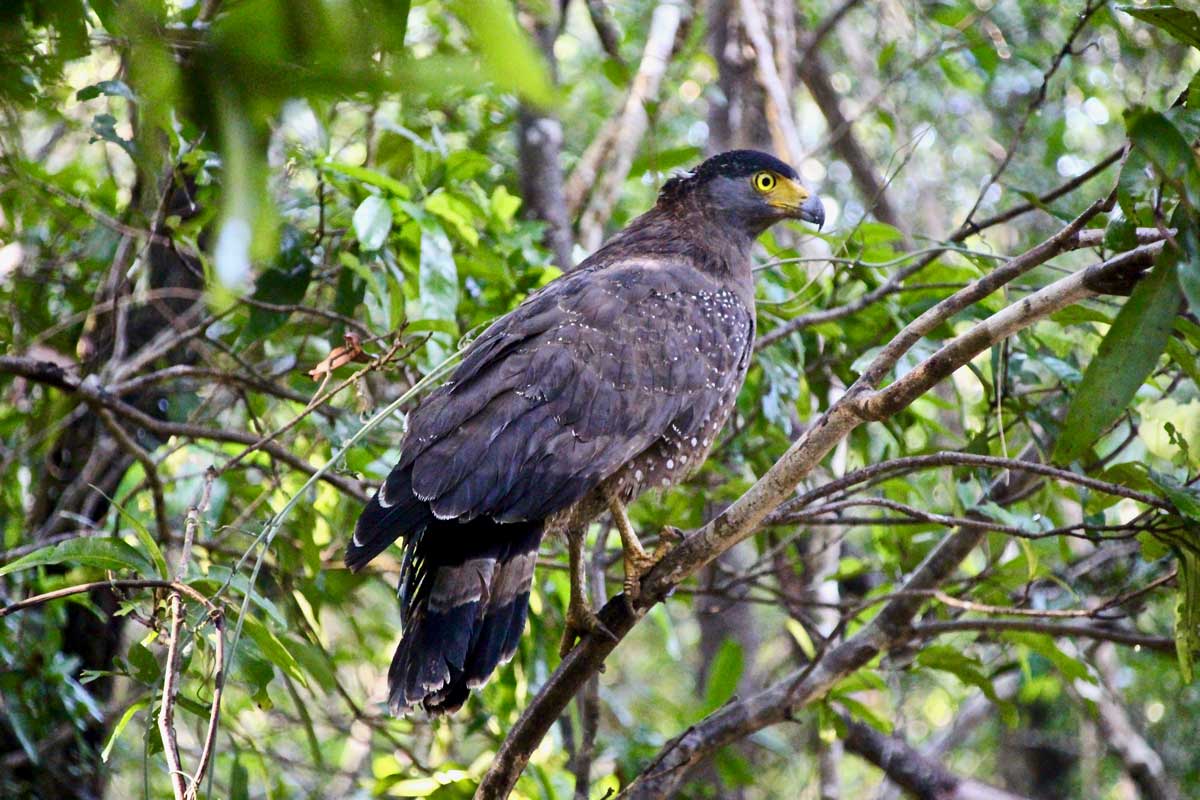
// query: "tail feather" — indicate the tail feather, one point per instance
point(465, 593)
point(508, 603)
point(392, 512)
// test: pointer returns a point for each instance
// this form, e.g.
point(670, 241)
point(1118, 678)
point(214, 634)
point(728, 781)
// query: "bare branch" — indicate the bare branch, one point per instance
point(874, 191)
point(915, 771)
point(777, 702)
point(632, 123)
point(53, 375)
point(606, 29)
point(182, 789)
point(963, 232)
point(1089, 9)
point(166, 712)
point(778, 107)
point(897, 466)
point(1159, 644)
point(1121, 734)
point(747, 514)
point(819, 33)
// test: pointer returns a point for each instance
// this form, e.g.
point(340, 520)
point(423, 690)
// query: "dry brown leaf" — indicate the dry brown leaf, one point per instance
point(340, 356)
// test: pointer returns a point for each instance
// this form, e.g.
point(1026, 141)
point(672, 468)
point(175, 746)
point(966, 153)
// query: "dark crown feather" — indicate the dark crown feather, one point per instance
point(730, 164)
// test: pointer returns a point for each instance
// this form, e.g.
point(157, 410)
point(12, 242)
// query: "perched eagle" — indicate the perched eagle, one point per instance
point(611, 380)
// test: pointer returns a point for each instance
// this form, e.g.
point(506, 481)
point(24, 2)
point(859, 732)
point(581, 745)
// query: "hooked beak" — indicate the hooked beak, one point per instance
point(797, 202)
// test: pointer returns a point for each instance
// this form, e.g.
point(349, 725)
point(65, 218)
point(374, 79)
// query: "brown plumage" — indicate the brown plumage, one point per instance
point(611, 380)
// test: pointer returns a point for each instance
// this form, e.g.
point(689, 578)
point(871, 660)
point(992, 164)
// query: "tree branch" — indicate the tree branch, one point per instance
point(874, 191)
point(89, 391)
point(181, 787)
point(1159, 644)
point(960, 235)
point(1121, 734)
point(746, 515)
point(914, 771)
point(777, 702)
point(778, 106)
point(630, 126)
point(166, 712)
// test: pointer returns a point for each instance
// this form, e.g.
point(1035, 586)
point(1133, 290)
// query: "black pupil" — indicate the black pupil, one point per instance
point(765, 181)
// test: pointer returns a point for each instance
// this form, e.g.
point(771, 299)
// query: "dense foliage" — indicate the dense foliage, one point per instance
point(231, 234)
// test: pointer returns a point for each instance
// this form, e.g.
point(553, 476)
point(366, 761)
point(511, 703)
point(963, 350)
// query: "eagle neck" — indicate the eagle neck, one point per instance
point(714, 247)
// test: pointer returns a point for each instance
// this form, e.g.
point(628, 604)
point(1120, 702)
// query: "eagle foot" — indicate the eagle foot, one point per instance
point(581, 621)
point(638, 562)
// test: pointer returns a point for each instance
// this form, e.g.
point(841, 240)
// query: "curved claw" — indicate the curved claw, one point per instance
point(580, 622)
point(668, 537)
point(638, 562)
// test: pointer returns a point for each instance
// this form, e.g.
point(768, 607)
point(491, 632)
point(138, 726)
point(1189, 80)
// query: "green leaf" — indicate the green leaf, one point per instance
point(665, 160)
point(1152, 549)
point(1044, 645)
point(270, 646)
point(1188, 238)
point(1185, 544)
point(108, 88)
point(283, 284)
point(435, 325)
point(509, 58)
point(862, 711)
point(1167, 148)
point(438, 274)
point(119, 728)
point(1074, 315)
point(369, 177)
point(1120, 233)
point(455, 213)
point(104, 126)
point(1178, 352)
point(349, 294)
point(372, 222)
point(218, 576)
point(146, 540)
point(504, 205)
point(1185, 500)
point(143, 665)
point(724, 675)
point(800, 634)
point(1126, 357)
point(1187, 613)
point(1178, 23)
point(1134, 183)
point(87, 551)
point(463, 165)
point(17, 717)
point(239, 780)
point(965, 668)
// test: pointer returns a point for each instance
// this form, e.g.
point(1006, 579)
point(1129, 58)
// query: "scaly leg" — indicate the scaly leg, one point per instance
point(581, 620)
point(637, 561)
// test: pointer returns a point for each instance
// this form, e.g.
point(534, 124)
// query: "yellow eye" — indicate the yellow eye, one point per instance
point(764, 181)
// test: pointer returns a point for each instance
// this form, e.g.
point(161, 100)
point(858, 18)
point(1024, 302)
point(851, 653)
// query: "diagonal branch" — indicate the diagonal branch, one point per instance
point(746, 516)
point(779, 107)
point(779, 701)
point(846, 145)
point(89, 390)
point(625, 133)
point(914, 771)
point(960, 235)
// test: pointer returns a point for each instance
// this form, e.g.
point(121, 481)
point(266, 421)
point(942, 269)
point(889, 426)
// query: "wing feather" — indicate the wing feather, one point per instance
point(558, 395)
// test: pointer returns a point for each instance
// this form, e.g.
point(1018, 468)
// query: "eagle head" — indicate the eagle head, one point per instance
point(744, 188)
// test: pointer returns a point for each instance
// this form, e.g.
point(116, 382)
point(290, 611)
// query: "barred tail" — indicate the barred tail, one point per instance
point(464, 591)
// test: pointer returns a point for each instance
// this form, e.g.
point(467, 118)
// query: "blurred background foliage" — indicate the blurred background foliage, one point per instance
point(312, 170)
